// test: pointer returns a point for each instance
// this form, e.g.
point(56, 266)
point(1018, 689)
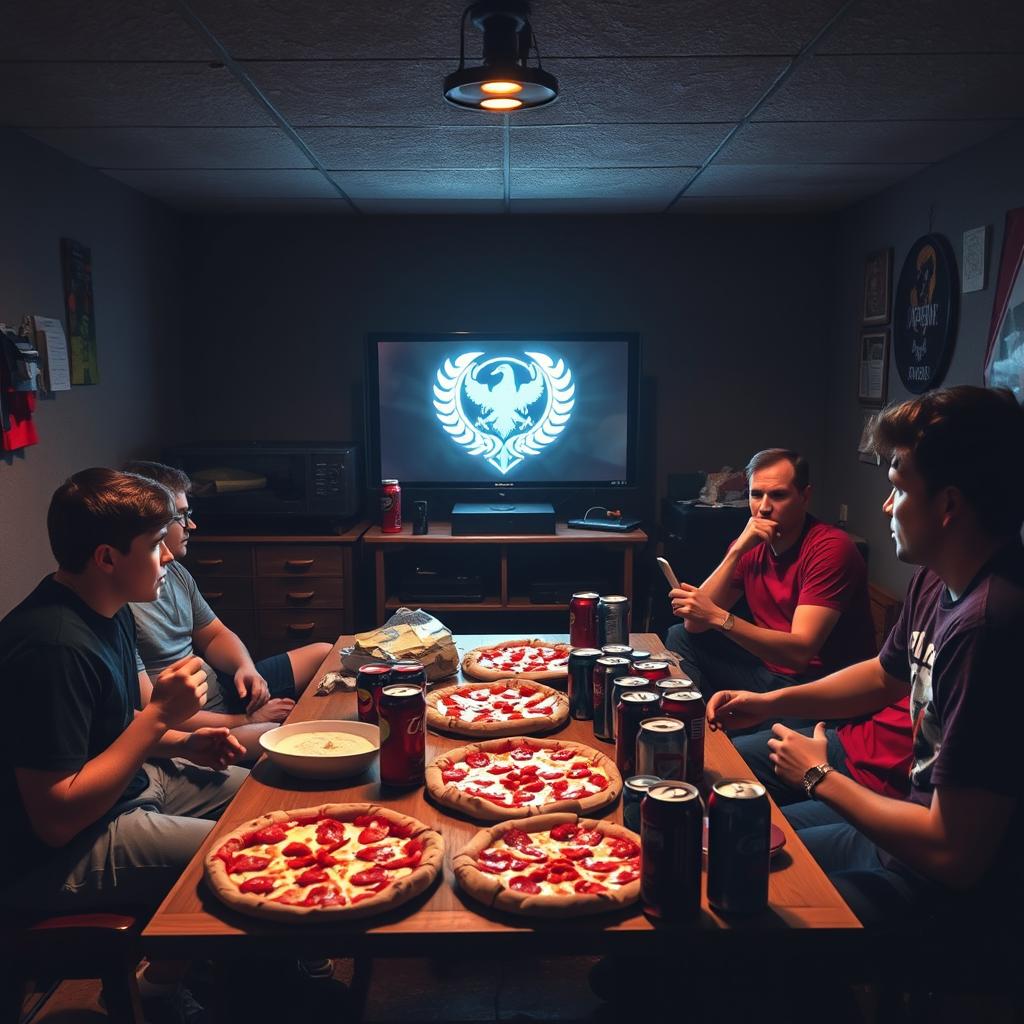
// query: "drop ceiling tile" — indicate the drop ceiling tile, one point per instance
point(405, 148)
point(175, 147)
point(892, 88)
point(611, 205)
point(217, 185)
point(929, 26)
point(651, 184)
point(431, 207)
point(746, 205)
point(855, 141)
point(798, 180)
point(76, 94)
point(617, 145)
point(112, 30)
point(449, 184)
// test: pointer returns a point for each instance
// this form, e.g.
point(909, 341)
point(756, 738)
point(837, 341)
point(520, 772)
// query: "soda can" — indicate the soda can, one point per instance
point(617, 651)
point(613, 620)
point(688, 706)
point(619, 687)
point(634, 789)
point(739, 835)
point(671, 823)
point(411, 672)
point(670, 684)
point(390, 507)
point(631, 709)
point(581, 682)
point(606, 671)
point(661, 748)
point(652, 670)
point(583, 619)
point(403, 736)
point(369, 680)
point(639, 655)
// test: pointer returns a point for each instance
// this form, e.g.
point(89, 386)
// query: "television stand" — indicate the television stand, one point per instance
point(506, 560)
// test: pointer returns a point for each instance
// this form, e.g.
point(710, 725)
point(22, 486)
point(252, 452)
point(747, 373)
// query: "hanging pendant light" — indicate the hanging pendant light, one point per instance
point(504, 82)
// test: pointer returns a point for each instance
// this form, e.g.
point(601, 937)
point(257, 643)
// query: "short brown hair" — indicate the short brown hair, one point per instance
point(801, 467)
point(966, 437)
point(102, 506)
point(171, 477)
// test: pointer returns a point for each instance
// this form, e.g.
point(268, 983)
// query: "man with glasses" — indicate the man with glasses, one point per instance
point(248, 697)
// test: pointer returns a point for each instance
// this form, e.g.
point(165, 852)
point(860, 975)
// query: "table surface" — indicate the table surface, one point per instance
point(191, 921)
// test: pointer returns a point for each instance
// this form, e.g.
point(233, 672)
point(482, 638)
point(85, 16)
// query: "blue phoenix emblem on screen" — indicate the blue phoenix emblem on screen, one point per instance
point(504, 409)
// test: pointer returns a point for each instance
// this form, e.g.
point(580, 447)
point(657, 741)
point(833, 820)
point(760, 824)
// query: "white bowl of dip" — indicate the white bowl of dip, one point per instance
point(324, 749)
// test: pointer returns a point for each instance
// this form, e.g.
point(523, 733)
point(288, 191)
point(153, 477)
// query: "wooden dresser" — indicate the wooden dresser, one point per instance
point(278, 592)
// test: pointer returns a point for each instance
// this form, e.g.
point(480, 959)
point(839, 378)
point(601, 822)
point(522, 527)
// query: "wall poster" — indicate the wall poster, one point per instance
point(76, 261)
point(1004, 359)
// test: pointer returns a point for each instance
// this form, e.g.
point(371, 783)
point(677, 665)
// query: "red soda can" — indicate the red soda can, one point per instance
point(390, 507)
point(369, 680)
point(688, 706)
point(671, 823)
point(632, 708)
point(403, 736)
point(410, 672)
point(652, 670)
point(583, 619)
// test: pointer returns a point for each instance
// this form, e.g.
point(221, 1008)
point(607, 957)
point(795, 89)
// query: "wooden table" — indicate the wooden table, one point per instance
point(192, 923)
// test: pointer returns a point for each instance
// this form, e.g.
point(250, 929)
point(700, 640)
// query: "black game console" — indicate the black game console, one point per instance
point(493, 519)
point(603, 523)
point(428, 587)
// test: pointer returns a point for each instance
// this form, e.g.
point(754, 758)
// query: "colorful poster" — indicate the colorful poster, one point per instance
point(1004, 360)
point(77, 264)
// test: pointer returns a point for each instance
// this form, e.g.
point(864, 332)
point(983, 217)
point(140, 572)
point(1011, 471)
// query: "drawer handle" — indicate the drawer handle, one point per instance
point(213, 595)
point(304, 628)
point(298, 563)
point(209, 563)
point(301, 595)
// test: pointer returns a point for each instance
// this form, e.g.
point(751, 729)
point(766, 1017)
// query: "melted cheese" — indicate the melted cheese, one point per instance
point(324, 744)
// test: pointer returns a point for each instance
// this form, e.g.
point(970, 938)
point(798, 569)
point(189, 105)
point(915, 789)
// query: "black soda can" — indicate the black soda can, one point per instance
point(619, 687)
point(671, 823)
point(632, 707)
point(688, 706)
point(739, 834)
point(613, 620)
point(606, 671)
point(661, 748)
point(403, 736)
point(652, 669)
point(634, 789)
point(617, 651)
point(581, 682)
point(370, 678)
point(583, 631)
point(411, 672)
point(639, 655)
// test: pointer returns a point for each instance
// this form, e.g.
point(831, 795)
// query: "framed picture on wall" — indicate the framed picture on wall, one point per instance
point(877, 287)
point(874, 367)
point(1004, 359)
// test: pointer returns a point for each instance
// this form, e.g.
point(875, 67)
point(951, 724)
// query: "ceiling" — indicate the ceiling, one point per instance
point(666, 106)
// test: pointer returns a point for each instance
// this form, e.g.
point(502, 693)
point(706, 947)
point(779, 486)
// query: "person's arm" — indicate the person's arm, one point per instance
point(849, 693)
point(200, 720)
point(224, 650)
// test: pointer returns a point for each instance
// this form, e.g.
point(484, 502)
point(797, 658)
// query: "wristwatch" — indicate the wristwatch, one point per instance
point(729, 622)
point(813, 776)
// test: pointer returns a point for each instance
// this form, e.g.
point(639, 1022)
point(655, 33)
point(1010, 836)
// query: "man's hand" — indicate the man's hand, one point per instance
point(275, 710)
point(212, 748)
point(249, 683)
point(180, 690)
point(736, 709)
point(693, 605)
point(757, 531)
point(793, 753)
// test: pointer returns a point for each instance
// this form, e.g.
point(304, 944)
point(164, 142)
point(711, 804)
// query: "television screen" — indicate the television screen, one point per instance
point(466, 410)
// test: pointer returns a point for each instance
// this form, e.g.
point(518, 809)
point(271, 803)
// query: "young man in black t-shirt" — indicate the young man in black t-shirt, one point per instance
point(957, 505)
point(98, 809)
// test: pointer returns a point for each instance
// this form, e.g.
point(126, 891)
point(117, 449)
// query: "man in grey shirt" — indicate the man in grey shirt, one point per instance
point(246, 696)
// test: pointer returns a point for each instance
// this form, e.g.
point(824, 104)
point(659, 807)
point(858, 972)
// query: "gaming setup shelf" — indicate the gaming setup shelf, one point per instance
point(508, 546)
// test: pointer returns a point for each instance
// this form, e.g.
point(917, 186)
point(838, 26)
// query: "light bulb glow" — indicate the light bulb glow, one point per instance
point(501, 88)
point(501, 103)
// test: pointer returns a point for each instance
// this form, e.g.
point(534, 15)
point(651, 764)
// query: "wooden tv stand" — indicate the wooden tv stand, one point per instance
point(506, 598)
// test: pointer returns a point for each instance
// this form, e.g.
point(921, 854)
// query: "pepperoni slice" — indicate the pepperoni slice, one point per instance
point(517, 839)
point(326, 859)
point(260, 885)
point(576, 852)
point(312, 876)
point(529, 691)
point(578, 773)
point(291, 898)
point(330, 833)
point(585, 888)
point(520, 883)
point(563, 754)
point(511, 781)
point(589, 837)
point(499, 769)
point(523, 796)
point(528, 770)
point(518, 865)
point(376, 830)
point(298, 863)
point(623, 849)
point(296, 850)
point(567, 874)
point(380, 887)
point(484, 716)
point(563, 833)
point(371, 876)
point(539, 874)
point(324, 896)
point(625, 877)
point(602, 867)
point(598, 780)
point(454, 774)
point(229, 849)
point(247, 862)
point(550, 776)
point(571, 794)
point(477, 759)
point(521, 753)
point(402, 831)
point(494, 860)
point(494, 798)
point(533, 787)
point(271, 834)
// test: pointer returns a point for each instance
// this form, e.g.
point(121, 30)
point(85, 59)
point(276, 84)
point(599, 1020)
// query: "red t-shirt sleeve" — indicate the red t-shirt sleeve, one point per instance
point(833, 573)
point(738, 580)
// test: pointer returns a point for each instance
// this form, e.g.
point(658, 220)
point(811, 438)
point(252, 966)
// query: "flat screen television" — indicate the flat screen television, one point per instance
point(489, 413)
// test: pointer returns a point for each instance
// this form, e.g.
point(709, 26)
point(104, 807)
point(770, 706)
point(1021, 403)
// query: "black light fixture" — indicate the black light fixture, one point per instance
point(504, 82)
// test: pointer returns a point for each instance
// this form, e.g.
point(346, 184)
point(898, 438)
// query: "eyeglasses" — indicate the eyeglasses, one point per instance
point(183, 517)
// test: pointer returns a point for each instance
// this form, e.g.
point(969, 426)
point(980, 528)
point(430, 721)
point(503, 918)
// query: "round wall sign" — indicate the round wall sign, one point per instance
point(925, 313)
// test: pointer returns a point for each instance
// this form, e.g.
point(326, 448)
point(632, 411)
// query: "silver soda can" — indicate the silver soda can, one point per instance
point(581, 682)
point(633, 791)
point(639, 655)
point(606, 671)
point(618, 651)
point(619, 686)
point(613, 620)
point(661, 748)
point(739, 836)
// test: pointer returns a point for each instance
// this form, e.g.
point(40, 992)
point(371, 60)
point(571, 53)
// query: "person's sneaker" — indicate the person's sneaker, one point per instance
point(318, 970)
point(178, 1006)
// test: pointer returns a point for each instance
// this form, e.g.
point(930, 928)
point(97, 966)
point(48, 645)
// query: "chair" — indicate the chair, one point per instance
point(103, 946)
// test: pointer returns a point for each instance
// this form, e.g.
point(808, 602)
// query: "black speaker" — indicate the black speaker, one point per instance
point(420, 523)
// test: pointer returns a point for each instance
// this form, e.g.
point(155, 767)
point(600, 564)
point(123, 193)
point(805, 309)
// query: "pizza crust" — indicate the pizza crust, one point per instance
point(398, 892)
point(488, 890)
point(440, 720)
point(474, 670)
point(450, 796)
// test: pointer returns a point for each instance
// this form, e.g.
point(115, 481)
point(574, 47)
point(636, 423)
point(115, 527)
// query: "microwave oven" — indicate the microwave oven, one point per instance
point(271, 479)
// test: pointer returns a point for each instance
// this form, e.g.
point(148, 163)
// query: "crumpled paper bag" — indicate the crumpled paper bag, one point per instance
point(407, 635)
